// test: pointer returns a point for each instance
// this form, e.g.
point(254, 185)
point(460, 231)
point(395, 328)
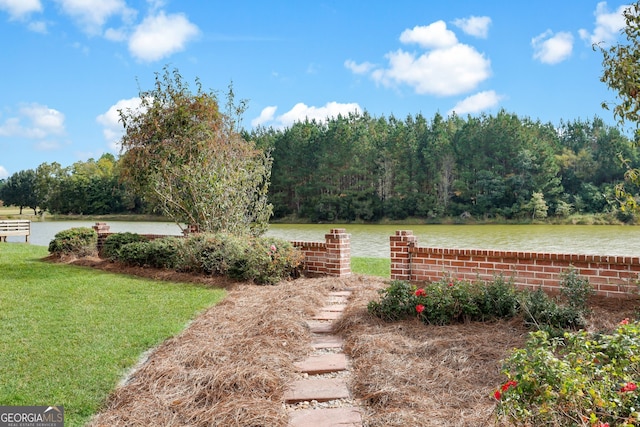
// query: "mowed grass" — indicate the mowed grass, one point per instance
point(380, 267)
point(14, 212)
point(69, 334)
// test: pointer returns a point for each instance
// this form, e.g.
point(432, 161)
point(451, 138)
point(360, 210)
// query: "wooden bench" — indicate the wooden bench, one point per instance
point(15, 227)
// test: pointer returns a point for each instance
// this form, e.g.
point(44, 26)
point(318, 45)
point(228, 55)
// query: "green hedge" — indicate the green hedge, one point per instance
point(262, 260)
point(79, 241)
point(115, 241)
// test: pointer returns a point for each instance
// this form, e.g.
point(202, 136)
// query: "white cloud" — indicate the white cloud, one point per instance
point(552, 49)
point(301, 112)
point(435, 35)
point(116, 34)
point(450, 71)
point(33, 121)
point(19, 9)
point(37, 27)
point(113, 129)
point(476, 103)
point(477, 26)
point(157, 36)
point(608, 24)
point(161, 35)
point(355, 68)
point(92, 15)
point(266, 115)
point(4, 173)
point(47, 145)
point(155, 5)
point(448, 67)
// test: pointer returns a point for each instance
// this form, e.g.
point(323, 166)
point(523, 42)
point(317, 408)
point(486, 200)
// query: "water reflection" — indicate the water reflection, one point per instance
point(373, 240)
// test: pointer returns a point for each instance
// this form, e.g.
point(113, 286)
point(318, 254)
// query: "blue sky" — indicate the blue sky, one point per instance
point(69, 65)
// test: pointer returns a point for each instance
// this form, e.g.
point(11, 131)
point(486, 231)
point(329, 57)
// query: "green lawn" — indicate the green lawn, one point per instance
point(380, 267)
point(68, 334)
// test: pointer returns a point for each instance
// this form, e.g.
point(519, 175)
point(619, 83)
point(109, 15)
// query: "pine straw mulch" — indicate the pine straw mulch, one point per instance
point(230, 367)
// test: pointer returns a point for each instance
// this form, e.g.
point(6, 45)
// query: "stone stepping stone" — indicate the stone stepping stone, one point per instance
point(340, 294)
point(327, 341)
point(319, 389)
point(328, 315)
point(333, 307)
point(328, 417)
point(320, 327)
point(323, 364)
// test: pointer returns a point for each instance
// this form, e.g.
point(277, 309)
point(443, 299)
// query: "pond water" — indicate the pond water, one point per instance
point(373, 240)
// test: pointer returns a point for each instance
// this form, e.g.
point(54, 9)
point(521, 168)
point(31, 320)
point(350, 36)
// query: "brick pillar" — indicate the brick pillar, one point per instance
point(103, 232)
point(400, 257)
point(338, 261)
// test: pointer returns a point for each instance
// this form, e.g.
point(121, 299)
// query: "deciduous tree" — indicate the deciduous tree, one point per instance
point(19, 190)
point(621, 73)
point(190, 160)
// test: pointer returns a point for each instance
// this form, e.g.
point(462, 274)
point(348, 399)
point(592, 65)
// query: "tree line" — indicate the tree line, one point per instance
point(93, 187)
point(363, 168)
point(359, 167)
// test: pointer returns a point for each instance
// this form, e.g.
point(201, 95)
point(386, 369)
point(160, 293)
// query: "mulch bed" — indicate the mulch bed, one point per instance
point(230, 367)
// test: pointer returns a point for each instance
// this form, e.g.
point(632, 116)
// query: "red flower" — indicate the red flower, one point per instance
point(624, 321)
point(629, 387)
point(421, 292)
point(419, 308)
point(450, 284)
point(601, 424)
point(506, 386)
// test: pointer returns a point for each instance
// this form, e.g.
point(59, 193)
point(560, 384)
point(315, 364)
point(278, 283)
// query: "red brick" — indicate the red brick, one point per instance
point(323, 363)
point(328, 417)
point(321, 390)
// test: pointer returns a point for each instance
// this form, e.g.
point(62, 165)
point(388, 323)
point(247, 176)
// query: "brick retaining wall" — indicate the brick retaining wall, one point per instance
point(331, 257)
point(609, 275)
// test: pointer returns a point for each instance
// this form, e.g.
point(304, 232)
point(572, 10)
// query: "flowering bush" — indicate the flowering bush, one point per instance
point(580, 379)
point(447, 301)
point(397, 302)
point(450, 300)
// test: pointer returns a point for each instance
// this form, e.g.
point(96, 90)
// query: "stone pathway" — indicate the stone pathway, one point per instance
point(321, 398)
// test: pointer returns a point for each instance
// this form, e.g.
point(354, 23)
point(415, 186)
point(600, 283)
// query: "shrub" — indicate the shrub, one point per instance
point(397, 302)
point(136, 254)
point(555, 315)
point(579, 379)
point(576, 291)
point(158, 253)
point(215, 254)
point(78, 241)
point(261, 260)
point(498, 298)
point(115, 241)
point(542, 312)
point(266, 261)
point(165, 252)
point(447, 301)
